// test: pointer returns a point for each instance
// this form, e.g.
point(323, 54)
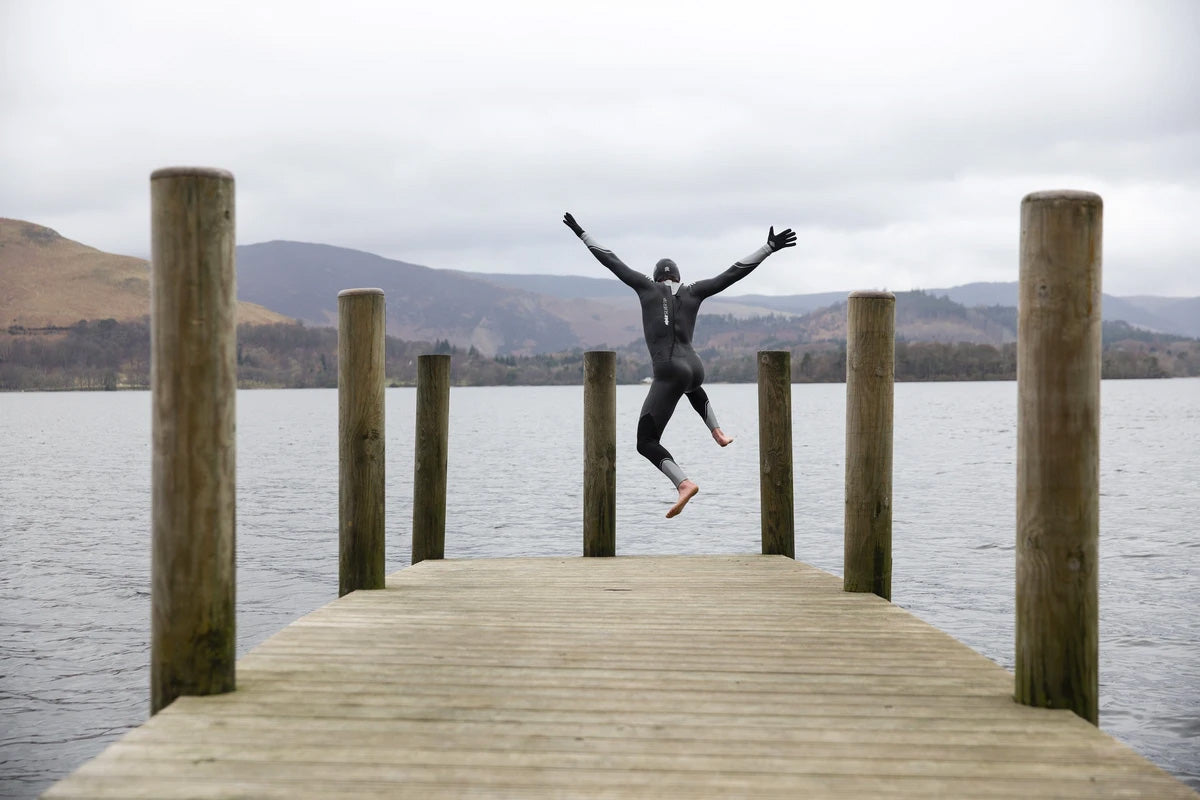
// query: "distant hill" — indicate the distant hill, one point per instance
point(920, 317)
point(612, 291)
point(524, 314)
point(47, 280)
point(788, 303)
point(505, 329)
point(609, 288)
point(563, 286)
point(1172, 315)
point(425, 304)
point(1175, 315)
point(1181, 312)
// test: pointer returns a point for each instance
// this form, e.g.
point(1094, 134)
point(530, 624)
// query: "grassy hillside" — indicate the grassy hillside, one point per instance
point(47, 280)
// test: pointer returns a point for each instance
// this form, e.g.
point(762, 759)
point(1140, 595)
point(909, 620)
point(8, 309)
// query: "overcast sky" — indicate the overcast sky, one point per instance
point(896, 138)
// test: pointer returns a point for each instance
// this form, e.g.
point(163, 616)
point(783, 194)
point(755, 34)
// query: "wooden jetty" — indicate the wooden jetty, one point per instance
point(682, 676)
point(606, 676)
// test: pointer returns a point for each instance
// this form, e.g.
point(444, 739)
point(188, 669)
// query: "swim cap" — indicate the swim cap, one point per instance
point(665, 270)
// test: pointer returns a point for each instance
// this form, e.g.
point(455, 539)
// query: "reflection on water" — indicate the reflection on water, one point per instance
point(75, 494)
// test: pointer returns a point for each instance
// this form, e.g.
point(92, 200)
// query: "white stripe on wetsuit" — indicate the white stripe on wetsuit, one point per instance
point(755, 258)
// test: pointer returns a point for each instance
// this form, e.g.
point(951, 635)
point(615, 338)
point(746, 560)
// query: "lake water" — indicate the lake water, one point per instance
point(74, 517)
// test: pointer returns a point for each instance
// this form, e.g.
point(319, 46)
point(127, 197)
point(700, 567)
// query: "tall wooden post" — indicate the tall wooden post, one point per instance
point(1058, 452)
point(870, 371)
point(194, 382)
point(432, 445)
point(600, 453)
point(775, 452)
point(361, 342)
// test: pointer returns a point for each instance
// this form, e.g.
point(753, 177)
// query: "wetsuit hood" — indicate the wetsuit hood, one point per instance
point(665, 270)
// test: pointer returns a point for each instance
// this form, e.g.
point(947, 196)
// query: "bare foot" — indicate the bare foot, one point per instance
point(687, 490)
point(721, 438)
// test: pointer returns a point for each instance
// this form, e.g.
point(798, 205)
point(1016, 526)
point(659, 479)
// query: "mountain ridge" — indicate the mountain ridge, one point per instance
point(567, 311)
point(48, 280)
point(497, 314)
point(1173, 315)
point(424, 303)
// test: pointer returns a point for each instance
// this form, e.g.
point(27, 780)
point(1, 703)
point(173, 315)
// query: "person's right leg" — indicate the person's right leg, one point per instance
point(665, 391)
point(699, 400)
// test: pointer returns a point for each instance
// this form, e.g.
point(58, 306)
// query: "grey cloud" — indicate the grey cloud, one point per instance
point(897, 139)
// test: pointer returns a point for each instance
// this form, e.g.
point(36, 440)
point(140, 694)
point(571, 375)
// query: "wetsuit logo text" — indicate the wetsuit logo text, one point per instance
point(666, 316)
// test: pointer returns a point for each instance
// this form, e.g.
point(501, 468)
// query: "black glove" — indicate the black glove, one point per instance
point(778, 241)
point(570, 222)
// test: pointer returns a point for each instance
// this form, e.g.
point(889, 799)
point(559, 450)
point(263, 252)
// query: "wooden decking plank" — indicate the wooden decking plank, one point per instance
point(630, 677)
point(284, 758)
point(488, 786)
point(673, 750)
point(827, 717)
point(409, 780)
point(693, 739)
point(343, 728)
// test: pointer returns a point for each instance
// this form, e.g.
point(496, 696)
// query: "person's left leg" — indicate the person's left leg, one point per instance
point(657, 409)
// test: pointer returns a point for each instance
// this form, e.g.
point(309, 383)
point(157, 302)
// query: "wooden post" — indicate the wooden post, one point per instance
point(361, 322)
point(429, 476)
point(870, 370)
point(600, 453)
point(1058, 452)
point(194, 382)
point(775, 452)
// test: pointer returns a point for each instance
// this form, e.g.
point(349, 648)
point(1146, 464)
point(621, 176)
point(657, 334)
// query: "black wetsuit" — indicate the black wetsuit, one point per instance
point(668, 319)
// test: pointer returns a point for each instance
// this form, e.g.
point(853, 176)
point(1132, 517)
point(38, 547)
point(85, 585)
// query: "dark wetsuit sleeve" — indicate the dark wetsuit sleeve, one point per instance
point(710, 286)
point(632, 279)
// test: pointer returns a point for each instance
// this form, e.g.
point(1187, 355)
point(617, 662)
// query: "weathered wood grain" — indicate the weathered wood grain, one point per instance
point(600, 453)
point(1058, 453)
point(775, 453)
point(431, 459)
point(870, 370)
point(361, 440)
point(735, 676)
point(194, 389)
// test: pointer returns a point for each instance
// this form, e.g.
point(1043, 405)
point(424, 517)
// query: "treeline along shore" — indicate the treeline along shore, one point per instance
point(109, 355)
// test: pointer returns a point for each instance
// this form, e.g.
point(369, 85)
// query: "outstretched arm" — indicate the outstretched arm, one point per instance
point(775, 241)
point(629, 277)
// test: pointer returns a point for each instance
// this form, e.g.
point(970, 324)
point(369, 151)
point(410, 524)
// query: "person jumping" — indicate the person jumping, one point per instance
point(669, 310)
